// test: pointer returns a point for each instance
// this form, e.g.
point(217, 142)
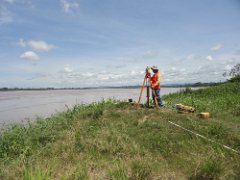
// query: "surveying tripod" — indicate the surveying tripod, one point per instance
point(146, 83)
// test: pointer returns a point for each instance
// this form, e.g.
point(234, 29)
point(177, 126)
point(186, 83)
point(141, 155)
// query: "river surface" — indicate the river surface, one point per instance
point(21, 106)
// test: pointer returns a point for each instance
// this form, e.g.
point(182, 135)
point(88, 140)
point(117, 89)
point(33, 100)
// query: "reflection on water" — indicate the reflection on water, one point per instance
point(17, 106)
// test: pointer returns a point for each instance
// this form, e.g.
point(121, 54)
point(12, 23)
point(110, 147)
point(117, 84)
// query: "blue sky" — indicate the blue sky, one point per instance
point(79, 43)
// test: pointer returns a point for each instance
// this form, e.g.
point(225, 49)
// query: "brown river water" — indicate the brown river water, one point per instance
point(22, 106)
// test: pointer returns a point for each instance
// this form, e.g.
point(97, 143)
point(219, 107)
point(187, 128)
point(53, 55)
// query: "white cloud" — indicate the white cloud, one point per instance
point(190, 56)
point(22, 43)
point(9, 1)
point(40, 45)
point(150, 54)
point(35, 45)
point(85, 77)
point(67, 6)
point(182, 69)
point(133, 72)
point(209, 58)
point(30, 55)
point(228, 67)
point(237, 52)
point(88, 74)
point(68, 69)
point(5, 15)
point(217, 47)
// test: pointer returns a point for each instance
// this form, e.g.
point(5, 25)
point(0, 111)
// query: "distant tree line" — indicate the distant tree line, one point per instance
point(198, 84)
point(24, 89)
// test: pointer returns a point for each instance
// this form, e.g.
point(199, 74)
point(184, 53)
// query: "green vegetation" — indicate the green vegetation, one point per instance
point(111, 140)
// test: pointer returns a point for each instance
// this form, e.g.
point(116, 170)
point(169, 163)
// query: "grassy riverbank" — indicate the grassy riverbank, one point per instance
point(111, 140)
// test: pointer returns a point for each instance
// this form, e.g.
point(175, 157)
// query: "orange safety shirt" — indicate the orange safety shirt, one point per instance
point(154, 79)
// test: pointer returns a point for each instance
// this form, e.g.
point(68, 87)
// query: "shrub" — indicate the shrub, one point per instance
point(29, 174)
point(210, 170)
point(217, 130)
point(118, 173)
point(140, 170)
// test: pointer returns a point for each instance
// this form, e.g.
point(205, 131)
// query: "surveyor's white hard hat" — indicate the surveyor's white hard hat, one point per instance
point(154, 68)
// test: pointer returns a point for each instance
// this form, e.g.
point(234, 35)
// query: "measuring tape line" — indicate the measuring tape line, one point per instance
point(199, 135)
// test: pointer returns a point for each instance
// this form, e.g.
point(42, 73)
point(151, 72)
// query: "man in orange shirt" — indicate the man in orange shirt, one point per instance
point(155, 84)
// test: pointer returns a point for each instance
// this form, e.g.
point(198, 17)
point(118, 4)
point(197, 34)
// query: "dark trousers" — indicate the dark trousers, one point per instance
point(159, 100)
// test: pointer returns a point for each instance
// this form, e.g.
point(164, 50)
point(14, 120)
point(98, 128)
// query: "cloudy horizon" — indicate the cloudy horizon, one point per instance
point(79, 43)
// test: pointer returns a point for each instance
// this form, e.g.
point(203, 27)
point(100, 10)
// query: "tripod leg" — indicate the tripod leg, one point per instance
point(139, 99)
point(148, 92)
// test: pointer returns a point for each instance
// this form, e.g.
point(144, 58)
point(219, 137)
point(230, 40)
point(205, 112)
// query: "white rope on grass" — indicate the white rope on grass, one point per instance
point(199, 135)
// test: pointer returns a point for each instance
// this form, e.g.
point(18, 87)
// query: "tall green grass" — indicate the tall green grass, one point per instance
point(219, 99)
